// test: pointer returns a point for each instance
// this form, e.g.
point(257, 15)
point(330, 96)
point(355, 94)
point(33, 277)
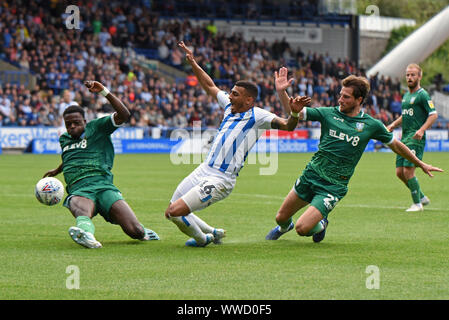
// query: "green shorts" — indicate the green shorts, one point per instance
point(320, 193)
point(417, 150)
point(100, 190)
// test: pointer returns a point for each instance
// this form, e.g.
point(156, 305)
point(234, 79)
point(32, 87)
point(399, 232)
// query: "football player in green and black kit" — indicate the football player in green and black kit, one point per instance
point(345, 132)
point(418, 115)
point(87, 159)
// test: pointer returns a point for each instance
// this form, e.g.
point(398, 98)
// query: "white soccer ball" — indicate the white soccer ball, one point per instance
point(49, 191)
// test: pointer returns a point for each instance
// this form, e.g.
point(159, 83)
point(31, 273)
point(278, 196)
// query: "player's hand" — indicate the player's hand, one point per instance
point(298, 103)
point(418, 135)
point(428, 168)
point(51, 173)
point(187, 51)
point(94, 86)
point(280, 79)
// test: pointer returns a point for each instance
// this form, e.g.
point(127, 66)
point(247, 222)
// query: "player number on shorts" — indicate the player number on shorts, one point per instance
point(330, 202)
point(205, 191)
point(208, 189)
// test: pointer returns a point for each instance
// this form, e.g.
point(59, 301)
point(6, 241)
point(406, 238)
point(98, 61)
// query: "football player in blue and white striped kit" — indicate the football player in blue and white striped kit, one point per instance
point(215, 178)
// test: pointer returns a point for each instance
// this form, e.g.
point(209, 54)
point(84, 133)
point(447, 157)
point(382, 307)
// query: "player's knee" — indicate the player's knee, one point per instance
point(281, 218)
point(409, 174)
point(278, 218)
point(301, 229)
point(176, 209)
point(171, 211)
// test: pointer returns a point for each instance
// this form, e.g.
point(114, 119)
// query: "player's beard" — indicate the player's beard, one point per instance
point(347, 108)
point(412, 85)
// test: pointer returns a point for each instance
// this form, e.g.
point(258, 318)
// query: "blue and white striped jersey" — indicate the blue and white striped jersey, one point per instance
point(237, 134)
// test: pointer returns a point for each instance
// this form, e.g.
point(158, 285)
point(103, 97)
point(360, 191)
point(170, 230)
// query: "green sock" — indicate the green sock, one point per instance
point(421, 195)
point(317, 228)
point(85, 224)
point(415, 190)
point(284, 225)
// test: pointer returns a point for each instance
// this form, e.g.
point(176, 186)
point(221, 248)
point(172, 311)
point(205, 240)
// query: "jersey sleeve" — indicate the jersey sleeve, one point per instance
point(263, 118)
point(313, 114)
point(382, 134)
point(105, 124)
point(427, 103)
point(223, 99)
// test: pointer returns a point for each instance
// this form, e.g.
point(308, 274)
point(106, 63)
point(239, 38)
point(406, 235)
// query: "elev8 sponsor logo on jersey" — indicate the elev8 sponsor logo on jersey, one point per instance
point(354, 140)
point(77, 145)
point(408, 112)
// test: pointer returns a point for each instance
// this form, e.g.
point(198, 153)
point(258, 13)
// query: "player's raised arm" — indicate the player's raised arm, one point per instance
point(204, 79)
point(402, 150)
point(122, 114)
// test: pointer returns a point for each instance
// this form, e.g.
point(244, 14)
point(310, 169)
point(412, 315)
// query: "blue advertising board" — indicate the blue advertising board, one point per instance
point(51, 146)
point(21, 137)
point(145, 145)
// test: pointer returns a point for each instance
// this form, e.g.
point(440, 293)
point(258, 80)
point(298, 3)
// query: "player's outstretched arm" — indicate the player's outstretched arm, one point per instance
point(53, 172)
point(295, 105)
point(122, 113)
point(402, 150)
point(205, 81)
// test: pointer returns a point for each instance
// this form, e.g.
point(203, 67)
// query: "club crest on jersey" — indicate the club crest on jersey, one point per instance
point(359, 126)
point(412, 100)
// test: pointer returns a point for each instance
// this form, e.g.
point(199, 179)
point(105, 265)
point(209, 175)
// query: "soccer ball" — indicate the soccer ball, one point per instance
point(49, 191)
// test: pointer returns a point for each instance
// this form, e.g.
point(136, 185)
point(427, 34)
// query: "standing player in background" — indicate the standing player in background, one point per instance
point(87, 159)
point(345, 132)
point(215, 178)
point(418, 115)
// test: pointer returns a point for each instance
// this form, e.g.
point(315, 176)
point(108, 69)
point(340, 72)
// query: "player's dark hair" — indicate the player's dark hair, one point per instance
point(250, 87)
point(73, 109)
point(359, 85)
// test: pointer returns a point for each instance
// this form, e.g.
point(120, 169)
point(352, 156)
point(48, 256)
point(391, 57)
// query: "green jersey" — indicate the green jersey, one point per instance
point(90, 155)
point(343, 141)
point(416, 107)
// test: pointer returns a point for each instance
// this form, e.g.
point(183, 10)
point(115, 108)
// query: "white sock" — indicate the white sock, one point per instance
point(203, 225)
point(188, 226)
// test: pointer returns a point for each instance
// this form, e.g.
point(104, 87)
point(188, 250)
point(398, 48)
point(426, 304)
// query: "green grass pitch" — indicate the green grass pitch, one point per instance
point(369, 227)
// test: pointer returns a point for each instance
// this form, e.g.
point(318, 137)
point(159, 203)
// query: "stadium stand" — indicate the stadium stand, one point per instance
point(113, 34)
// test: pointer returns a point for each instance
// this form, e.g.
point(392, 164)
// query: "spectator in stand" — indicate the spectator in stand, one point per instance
point(66, 101)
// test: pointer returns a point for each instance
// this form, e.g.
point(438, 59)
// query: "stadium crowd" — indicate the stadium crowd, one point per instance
point(35, 38)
